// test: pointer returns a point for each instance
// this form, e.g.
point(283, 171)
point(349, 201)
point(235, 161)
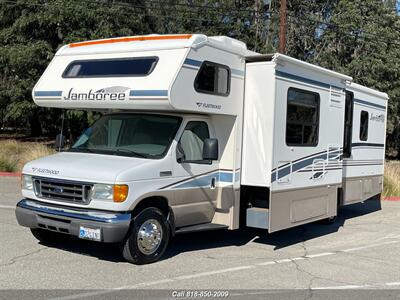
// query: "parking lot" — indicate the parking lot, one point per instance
point(360, 251)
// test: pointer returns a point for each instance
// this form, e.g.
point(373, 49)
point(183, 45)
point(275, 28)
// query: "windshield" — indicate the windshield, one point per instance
point(140, 135)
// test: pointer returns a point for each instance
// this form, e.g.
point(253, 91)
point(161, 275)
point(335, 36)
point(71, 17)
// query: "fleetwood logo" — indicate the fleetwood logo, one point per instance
point(45, 171)
point(110, 93)
point(207, 105)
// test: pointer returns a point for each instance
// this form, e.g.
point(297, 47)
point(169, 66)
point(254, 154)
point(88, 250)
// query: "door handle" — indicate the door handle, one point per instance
point(213, 183)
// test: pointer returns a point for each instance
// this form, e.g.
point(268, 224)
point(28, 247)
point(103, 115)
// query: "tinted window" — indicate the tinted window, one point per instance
point(192, 141)
point(348, 125)
point(364, 125)
point(110, 67)
point(213, 79)
point(302, 118)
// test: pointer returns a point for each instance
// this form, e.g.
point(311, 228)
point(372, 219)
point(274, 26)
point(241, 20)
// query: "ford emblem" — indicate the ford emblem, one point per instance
point(58, 190)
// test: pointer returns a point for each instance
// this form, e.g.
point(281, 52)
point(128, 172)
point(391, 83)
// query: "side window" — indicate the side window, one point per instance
point(348, 125)
point(302, 119)
point(192, 140)
point(364, 125)
point(213, 79)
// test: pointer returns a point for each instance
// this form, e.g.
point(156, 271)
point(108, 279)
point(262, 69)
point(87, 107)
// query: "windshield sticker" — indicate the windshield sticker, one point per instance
point(110, 93)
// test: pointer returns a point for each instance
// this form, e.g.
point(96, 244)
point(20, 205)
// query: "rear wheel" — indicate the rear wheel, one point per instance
point(45, 236)
point(148, 237)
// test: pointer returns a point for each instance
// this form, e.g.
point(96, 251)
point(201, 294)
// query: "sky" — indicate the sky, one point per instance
point(398, 7)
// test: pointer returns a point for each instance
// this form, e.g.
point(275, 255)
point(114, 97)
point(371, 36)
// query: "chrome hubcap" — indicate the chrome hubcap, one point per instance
point(149, 236)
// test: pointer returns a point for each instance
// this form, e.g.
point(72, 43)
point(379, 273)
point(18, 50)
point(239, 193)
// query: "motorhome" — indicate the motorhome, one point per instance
point(199, 133)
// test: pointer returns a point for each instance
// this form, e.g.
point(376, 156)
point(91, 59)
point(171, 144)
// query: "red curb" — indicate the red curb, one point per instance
point(391, 199)
point(10, 174)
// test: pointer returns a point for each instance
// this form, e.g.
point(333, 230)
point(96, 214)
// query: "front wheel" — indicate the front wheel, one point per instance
point(148, 237)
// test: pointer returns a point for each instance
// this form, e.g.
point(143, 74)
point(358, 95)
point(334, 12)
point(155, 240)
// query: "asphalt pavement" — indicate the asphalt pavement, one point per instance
point(360, 252)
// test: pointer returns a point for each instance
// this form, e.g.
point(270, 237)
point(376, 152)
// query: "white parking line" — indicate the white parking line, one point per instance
point(392, 283)
point(352, 287)
point(320, 254)
point(343, 287)
point(235, 269)
point(7, 207)
point(213, 272)
point(369, 246)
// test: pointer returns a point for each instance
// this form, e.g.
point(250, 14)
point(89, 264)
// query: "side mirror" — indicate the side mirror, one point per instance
point(60, 141)
point(210, 149)
point(180, 156)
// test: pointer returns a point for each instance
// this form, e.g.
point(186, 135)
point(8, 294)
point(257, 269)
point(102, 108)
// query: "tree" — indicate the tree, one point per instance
point(355, 37)
point(32, 31)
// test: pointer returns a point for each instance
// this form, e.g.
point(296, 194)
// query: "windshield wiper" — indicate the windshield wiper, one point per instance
point(78, 149)
point(122, 150)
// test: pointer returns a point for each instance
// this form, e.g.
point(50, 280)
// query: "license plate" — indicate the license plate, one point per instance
point(89, 233)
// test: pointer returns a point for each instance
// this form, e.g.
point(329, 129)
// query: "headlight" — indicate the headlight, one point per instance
point(109, 192)
point(27, 182)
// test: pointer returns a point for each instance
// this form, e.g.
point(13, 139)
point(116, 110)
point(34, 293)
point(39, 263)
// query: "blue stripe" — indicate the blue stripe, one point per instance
point(237, 72)
point(197, 182)
point(298, 165)
point(205, 181)
point(116, 218)
point(148, 93)
point(370, 104)
point(367, 145)
point(47, 93)
point(192, 62)
point(237, 176)
point(197, 63)
point(305, 80)
point(225, 177)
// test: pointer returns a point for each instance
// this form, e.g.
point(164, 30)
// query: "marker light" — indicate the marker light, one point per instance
point(120, 192)
point(132, 39)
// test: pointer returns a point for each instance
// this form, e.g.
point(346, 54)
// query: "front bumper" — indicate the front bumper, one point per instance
point(34, 214)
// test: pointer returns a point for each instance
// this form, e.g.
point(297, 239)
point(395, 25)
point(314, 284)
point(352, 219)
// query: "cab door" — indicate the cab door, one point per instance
point(196, 193)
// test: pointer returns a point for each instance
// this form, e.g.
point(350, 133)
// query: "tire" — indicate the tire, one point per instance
point(147, 238)
point(45, 236)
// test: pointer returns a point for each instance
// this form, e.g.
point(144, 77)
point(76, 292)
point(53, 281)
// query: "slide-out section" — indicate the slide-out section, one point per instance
point(257, 142)
point(364, 143)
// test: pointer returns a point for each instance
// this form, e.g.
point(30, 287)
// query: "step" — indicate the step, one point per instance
point(257, 217)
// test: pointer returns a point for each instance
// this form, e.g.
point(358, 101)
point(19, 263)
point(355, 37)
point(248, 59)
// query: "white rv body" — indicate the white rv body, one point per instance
point(274, 169)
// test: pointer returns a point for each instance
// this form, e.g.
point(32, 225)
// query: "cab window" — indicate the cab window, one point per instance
point(192, 141)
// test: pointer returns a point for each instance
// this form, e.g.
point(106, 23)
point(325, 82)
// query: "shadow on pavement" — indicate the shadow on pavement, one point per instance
point(218, 239)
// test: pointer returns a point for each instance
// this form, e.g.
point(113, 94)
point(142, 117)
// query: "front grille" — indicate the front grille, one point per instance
point(76, 192)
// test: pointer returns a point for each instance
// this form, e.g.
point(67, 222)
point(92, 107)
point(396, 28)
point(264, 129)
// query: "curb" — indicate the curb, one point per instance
point(391, 199)
point(10, 174)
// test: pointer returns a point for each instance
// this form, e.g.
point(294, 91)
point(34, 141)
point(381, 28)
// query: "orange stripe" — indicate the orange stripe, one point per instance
point(133, 39)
